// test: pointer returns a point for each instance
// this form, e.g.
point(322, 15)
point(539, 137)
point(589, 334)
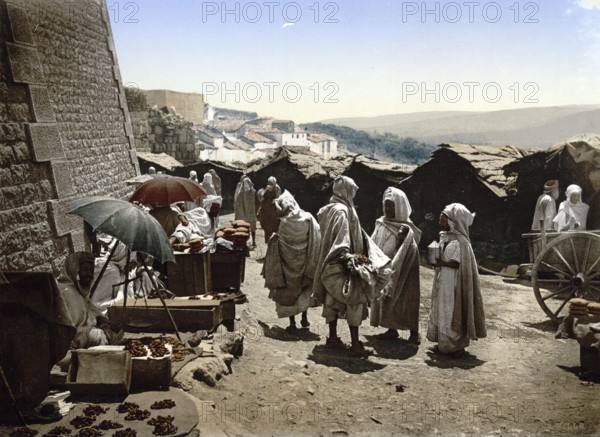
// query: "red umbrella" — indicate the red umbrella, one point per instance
point(167, 190)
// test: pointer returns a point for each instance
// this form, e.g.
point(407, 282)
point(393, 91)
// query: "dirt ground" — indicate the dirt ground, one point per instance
point(519, 381)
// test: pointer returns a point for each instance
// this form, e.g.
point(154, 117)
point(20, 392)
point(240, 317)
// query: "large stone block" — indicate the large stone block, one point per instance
point(41, 104)
point(24, 64)
point(61, 222)
point(19, 24)
point(61, 178)
point(45, 141)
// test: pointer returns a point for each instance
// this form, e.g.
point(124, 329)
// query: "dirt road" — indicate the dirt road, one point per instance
point(518, 381)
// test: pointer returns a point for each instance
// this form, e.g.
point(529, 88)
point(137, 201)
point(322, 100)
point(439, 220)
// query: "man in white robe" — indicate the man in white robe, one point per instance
point(572, 213)
point(545, 207)
point(343, 283)
point(396, 235)
point(75, 281)
point(291, 260)
point(199, 222)
point(456, 315)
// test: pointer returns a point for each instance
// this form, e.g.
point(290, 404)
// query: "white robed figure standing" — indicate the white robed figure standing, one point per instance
point(572, 213)
point(344, 283)
point(457, 314)
point(291, 260)
point(396, 235)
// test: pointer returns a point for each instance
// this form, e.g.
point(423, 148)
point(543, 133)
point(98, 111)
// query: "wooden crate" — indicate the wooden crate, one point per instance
point(228, 270)
point(99, 373)
point(190, 274)
point(150, 374)
point(189, 315)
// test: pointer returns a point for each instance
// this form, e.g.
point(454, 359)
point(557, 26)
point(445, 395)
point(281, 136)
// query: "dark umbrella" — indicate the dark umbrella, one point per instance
point(167, 190)
point(130, 224)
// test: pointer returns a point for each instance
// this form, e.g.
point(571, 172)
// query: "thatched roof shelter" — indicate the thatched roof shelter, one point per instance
point(304, 174)
point(471, 175)
point(373, 177)
point(576, 161)
point(160, 161)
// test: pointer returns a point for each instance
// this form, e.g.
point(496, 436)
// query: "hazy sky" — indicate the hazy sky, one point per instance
point(310, 60)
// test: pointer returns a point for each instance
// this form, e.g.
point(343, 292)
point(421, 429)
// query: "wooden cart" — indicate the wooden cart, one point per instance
point(564, 265)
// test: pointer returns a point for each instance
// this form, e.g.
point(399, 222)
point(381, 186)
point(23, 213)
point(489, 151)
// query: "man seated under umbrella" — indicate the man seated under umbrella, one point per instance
point(199, 222)
point(75, 282)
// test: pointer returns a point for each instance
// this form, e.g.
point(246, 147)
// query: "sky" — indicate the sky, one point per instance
point(316, 60)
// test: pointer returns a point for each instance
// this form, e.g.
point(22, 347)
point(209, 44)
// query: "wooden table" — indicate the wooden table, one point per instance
point(189, 315)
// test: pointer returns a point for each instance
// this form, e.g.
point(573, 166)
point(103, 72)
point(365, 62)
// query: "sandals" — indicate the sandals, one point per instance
point(335, 343)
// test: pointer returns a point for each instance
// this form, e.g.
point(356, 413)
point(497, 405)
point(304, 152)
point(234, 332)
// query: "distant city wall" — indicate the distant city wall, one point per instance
point(65, 131)
point(189, 105)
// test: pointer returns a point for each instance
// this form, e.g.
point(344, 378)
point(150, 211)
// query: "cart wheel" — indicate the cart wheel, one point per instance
point(568, 267)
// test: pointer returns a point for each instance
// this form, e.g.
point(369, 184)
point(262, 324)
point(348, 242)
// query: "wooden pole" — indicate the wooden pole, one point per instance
point(125, 293)
point(162, 300)
point(103, 268)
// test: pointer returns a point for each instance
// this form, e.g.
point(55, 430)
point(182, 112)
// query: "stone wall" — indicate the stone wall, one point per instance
point(189, 105)
point(158, 131)
point(64, 127)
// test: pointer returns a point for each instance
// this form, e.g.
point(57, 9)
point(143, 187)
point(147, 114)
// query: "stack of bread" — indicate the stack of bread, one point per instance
point(578, 307)
point(196, 244)
point(594, 308)
point(238, 232)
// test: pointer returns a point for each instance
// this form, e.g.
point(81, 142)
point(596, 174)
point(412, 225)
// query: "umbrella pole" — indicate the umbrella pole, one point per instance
point(103, 268)
point(126, 284)
point(162, 300)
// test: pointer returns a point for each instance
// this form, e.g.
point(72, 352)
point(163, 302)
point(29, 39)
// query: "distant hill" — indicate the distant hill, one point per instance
point(387, 146)
point(528, 127)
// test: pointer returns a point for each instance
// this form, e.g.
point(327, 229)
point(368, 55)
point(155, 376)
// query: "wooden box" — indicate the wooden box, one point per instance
point(150, 374)
point(227, 270)
point(189, 315)
point(190, 274)
point(99, 373)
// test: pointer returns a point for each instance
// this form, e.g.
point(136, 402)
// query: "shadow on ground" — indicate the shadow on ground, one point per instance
point(339, 358)
point(582, 374)
point(545, 326)
point(397, 349)
point(445, 361)
point(279, 333)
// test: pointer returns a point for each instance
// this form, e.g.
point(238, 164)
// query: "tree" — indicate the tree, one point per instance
point(136, 100)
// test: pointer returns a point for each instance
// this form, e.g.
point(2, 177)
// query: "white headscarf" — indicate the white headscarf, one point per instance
point(344, 190)
point(272, 181)
point(459, 219)
point(402, 210)
point(286, 204)
point(570, 214)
